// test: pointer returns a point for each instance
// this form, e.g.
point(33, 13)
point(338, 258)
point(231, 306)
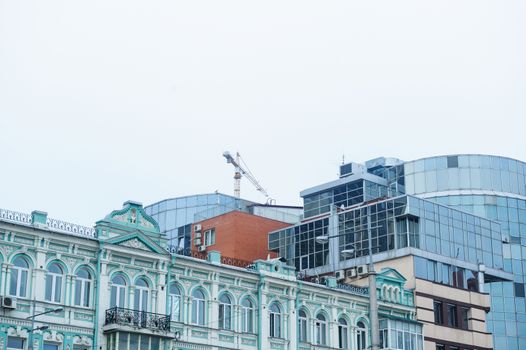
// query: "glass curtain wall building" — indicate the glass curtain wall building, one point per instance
point(176, 215)
point(495, 188)
point(452, 213)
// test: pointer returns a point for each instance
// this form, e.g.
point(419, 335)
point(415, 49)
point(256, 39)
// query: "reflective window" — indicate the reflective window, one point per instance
point(247, 315)
point(14, 343)
point(343, 334)
point(141, 295)
point(118, 292)
point(274, 321)
point(19, 277)
point(225, 312)
point(54, 277)
point(452, 161)
point(198, 307)
point(175, 302)
point(361, 336)
point(83, 284)
point(321, 330)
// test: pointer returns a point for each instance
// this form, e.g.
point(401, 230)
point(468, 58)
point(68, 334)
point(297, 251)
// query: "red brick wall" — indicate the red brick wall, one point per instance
point(241, 235)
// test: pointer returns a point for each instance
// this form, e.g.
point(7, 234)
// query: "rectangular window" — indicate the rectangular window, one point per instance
point(440, 347)
point(439, 316)
point(464, 316)
point(519, 290)
point(452, 161)
point(14, 343)
point(50, 346)
point(452, 319)
point(210, 237)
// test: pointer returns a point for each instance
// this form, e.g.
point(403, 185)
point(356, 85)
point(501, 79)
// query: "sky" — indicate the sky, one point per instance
point(107, 101)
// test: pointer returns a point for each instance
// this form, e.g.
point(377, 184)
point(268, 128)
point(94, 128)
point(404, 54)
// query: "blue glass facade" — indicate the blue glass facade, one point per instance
point(175, 215)
point(458, 211)
point(495, 188)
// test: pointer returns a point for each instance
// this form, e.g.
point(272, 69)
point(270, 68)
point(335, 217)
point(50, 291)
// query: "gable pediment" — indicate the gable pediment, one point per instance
point(137, 241)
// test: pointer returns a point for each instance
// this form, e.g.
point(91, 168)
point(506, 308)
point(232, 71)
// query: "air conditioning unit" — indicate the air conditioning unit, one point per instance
point(197, 235)
point(197, 228)
point(362, 270)
point(9, 303)
point(340, 275)
point(197, 241)
point(201, 248)
point(351, 273)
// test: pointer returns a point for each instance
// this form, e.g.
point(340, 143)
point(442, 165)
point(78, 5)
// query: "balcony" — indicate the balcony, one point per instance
point(139, 319)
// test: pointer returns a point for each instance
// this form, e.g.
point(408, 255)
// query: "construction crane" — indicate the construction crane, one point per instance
point(242, 170)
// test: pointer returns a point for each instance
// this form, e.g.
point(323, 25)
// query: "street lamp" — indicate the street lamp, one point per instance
point(41, 328)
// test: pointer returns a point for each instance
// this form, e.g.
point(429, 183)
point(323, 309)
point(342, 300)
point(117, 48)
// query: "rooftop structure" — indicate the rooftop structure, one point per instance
point(176, 215)
point(460, 216)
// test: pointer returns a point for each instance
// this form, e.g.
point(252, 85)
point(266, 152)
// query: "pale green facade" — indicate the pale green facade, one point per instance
point(118, 288)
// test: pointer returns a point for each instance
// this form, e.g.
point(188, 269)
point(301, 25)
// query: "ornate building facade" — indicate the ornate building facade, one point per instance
point(117, 287)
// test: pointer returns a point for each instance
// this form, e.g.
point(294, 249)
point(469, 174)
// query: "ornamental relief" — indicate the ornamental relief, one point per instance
point(82, 340)
point(135, 243)
point(54, 336)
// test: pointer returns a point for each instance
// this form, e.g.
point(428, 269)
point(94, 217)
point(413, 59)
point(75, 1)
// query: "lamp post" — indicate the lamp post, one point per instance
point(373, 301)
point(41, 328)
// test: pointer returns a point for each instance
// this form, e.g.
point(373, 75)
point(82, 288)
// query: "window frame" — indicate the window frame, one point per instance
point(142, 294)
point(303, 326)
point(275, 330)
point(19, 281)
point(54, 280)
point(361, 335)
point(343, 333)
point(24, 341)
point(209, 237)
point(119, 289)
point(198, 315)
point(225, 311)
point(320, 326)
point(83, 288)
point(173, 297)
point(247, 315)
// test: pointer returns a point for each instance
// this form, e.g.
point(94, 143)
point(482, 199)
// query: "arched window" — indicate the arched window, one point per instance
point(343, 334)
point(247, 315)
point(54, 279)
point(198, 307)
point(83, 287)
point(142, 292)
point(225, 312)
point(275, 320)
point(118, 292)
point(19, 274)
point(175, 302)
point(302, 325)
point(361, 336)
point(321, 330)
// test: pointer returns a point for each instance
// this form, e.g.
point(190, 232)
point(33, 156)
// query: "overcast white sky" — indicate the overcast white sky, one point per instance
point(105, 101)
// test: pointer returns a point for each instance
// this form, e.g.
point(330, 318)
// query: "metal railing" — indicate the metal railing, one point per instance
point(136, 318)
point(173, 249)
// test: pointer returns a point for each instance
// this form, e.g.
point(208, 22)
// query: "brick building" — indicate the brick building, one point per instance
point(236, 234)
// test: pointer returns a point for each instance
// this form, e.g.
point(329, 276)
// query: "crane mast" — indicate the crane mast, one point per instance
point(242, 170)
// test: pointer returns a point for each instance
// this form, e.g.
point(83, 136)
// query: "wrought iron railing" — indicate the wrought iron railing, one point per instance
point(354, 289)
point(136, 318)
point(173, 249)
point(235, 262)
